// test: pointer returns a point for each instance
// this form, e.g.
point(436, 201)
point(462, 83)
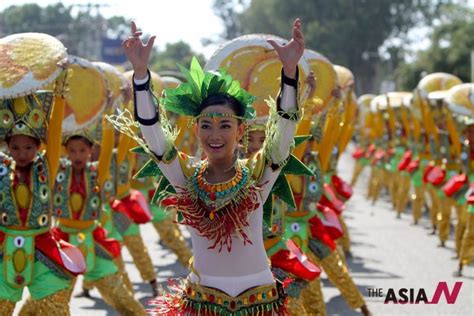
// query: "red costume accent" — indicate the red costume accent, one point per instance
point(295, 262)
point(134, 206)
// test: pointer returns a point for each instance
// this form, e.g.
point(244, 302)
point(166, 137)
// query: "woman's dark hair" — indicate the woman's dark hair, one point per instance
point(36, 140)
point(225, 100)
point(79, 137)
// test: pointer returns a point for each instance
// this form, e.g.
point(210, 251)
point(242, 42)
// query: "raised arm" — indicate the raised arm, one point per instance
point(278, 143)
point(146, 112)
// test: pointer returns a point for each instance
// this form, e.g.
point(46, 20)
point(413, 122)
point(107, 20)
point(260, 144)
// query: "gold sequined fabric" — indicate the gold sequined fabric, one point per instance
point(358, 168)
point(444, 216)
point(461, 214)
point(466, 254)
point(141, 257)
point(403, 194)
point(345, 240)
point(338, 274)
point(6, 307)
point(115, 293)
point(434, 207)
point(172, 239)
point(418, 203)
point(123, 273)
point(313, 299)
point(55, 304)
point(295, 306)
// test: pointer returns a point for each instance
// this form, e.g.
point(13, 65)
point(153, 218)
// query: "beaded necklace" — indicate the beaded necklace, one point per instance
point(219, 211)
point(216, 195)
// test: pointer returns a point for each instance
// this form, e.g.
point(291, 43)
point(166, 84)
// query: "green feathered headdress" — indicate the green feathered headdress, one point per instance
point(186, 99)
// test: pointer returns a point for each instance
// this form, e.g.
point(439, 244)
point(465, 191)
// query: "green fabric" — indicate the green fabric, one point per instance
point(399, 151)
point(28, 251)
point(417, 177)
point(364, 161)
point(102, 268)
point(97, 267)
point(84, 239)
point(44, 283)
point(132, 230)
point(159, 214)
point(108, 225)
point(470, 209)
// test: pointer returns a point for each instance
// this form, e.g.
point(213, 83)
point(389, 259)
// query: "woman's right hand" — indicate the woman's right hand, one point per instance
point(138, 53)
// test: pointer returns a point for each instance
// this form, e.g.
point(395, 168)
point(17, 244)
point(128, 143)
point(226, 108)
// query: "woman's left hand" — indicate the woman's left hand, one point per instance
point(291, 53)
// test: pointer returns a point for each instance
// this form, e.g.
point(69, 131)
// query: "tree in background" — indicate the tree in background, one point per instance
point(81, 32)
point(451, 44)
point(345, 31)
point(81, 28)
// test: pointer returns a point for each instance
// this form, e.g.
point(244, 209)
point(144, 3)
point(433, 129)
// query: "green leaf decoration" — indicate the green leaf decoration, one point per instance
point(187, 97)
point(301, 139)
point(163, 188)
point(282, 190)
point(296, 167)
point(139, 150)
point(150, 169)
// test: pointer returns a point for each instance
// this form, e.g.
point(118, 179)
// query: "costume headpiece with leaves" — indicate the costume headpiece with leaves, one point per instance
point(31, 80)
point(187, 98)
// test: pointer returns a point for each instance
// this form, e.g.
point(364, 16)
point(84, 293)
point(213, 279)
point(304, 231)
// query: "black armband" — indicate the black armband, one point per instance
point(143, 87)
point(290, 82)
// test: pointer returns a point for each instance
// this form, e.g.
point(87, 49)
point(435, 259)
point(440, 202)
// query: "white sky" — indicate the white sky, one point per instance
point(169, 20)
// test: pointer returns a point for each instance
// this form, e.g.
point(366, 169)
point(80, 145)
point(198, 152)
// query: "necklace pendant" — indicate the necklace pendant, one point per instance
point(212, 215)
point(212, 195)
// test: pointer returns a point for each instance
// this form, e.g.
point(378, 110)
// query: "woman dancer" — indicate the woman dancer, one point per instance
point(221, 197)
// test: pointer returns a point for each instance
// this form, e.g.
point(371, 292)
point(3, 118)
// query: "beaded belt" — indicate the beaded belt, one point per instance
point(264, 299)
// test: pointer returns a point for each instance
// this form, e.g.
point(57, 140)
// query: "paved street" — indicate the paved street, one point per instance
point(387, 253)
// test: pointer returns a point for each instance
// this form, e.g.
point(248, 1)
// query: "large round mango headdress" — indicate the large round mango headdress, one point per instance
point(29, 62)
point(86, 99)
point(253, 62)
point(460, 100)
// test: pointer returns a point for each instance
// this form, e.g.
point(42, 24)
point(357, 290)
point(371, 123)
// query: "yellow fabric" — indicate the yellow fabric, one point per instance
point(106, 147)
point(123, 152)
point(453, 134)
point(53, 145)
point(405, 121)
point(328, 140)
point(304, 128)
point(428, 121)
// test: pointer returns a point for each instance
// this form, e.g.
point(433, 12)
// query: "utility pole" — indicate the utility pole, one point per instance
point(472, 65)
point(92, 48)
